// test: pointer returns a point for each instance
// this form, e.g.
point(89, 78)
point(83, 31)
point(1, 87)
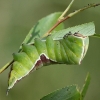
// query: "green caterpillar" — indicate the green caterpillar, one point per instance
point(69, 50)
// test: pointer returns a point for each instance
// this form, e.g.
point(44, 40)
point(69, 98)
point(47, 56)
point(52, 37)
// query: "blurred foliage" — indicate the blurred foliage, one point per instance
point(71, 92)
point(16, 19)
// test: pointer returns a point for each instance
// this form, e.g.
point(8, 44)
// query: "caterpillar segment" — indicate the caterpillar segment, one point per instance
point(71, 49)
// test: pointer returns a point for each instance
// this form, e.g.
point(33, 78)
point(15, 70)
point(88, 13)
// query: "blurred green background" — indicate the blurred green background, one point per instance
point(16, 19)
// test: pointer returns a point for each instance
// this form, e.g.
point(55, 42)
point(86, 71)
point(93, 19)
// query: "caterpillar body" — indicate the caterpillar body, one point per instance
point(71, 49)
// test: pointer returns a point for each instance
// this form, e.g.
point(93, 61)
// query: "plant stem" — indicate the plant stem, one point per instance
point(6, 66)
point(85, 86)
point(66, 10)
point(69, 16)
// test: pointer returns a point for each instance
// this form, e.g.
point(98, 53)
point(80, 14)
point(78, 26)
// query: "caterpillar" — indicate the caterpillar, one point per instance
point(70, 50)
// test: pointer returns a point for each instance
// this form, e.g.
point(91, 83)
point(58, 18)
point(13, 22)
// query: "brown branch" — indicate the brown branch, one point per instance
point(69, 16)
point(58, 22)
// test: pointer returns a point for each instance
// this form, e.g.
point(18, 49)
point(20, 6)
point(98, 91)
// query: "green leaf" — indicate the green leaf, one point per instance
point(42, 26)
point(86, 29)
point(85, 86)
point(67, 93)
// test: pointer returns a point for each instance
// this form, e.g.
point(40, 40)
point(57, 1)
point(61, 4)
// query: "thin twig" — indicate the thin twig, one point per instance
point(6, 66)
point(69, 16)
point(66, 10)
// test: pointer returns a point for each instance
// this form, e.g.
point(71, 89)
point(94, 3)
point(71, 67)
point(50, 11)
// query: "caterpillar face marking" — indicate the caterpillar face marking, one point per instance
point(79, 35)
point(70, 49)
point(67, 34)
